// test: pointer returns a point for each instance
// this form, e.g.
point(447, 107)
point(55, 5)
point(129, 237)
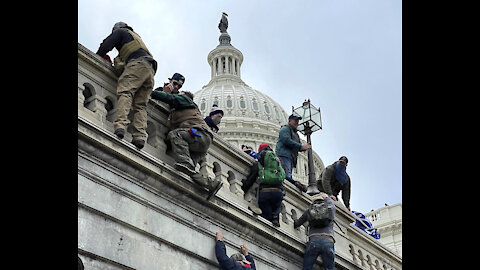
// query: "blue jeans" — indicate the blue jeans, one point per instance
point(287, 166)
point(322, 247)
point(270, 203)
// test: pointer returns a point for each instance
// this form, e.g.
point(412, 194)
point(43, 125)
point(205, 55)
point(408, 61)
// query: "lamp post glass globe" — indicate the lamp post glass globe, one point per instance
point(311, 121)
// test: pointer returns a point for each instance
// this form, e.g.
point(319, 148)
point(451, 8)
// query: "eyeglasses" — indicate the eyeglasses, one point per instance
point(177, 84)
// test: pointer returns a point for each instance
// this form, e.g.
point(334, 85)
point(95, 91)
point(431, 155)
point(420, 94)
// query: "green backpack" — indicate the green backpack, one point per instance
point(272, 172)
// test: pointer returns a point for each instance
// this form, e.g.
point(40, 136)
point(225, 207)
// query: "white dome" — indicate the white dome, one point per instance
point(237, 99)
point(250, 117)
point(230, 93)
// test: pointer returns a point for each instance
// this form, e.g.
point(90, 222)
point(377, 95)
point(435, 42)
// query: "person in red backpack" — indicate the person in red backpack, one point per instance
point(237, 261)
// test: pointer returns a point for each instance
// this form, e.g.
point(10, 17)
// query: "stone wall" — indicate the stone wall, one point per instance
point(135, 211)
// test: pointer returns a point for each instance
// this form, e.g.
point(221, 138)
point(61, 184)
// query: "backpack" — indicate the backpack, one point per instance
point(271, 173)
point(320, 214)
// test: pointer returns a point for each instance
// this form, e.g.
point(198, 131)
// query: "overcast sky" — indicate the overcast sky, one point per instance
point(345, 55)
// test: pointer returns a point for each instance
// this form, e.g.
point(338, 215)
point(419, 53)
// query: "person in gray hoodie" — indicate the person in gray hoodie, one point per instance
point(321, 239)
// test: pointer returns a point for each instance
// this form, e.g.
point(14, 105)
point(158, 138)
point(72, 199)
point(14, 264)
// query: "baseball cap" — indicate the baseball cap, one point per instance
point(344, 159)
point(294, 116)
point(317, 196)
point(178, 77)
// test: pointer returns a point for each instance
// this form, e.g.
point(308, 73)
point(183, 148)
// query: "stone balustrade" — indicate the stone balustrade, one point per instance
point(135, 211)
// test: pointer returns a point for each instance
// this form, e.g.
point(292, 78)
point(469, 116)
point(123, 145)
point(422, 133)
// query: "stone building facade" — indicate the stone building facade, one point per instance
point(135, 211)
point(388, 221)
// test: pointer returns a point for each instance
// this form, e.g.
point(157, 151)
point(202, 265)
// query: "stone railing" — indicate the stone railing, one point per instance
point(135, 211)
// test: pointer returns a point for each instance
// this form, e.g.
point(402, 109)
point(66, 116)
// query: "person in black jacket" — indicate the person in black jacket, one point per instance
point(214, 118)
point(252, 177)
point(135, 82)
point(237, 261)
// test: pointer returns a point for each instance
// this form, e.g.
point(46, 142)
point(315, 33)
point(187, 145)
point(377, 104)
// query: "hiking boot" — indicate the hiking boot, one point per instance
point(276, 221)
point(199, 179)
point(185, 168)
point(120, 132)
point(255, 209)
point(139, 143)
point(301, 186)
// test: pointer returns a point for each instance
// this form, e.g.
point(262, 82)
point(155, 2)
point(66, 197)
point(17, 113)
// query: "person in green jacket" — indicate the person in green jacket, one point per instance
point(189, 135)
point(287, 148)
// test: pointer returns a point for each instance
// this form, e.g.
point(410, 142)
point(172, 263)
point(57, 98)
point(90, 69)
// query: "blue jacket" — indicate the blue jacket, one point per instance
point(226, 263)
point(288, 144)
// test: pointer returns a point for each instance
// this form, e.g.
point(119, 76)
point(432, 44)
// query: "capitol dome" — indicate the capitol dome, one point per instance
point(250, 117)
point(239, 100)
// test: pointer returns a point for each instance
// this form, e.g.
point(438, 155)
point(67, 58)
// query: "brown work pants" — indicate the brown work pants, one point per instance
point(133, 91)
point(187, 148)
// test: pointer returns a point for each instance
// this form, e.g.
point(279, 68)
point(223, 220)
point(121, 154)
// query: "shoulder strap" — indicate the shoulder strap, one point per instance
point(338, 226)
point(132, 46)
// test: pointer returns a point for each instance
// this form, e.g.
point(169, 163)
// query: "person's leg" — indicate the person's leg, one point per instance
point(140, 101)
point(198, 146)
point(129, 82)
point(287, 167)
point(328, 254)
point(276, 203)
point(311, 253)
point(180, 150)
point(264, 204)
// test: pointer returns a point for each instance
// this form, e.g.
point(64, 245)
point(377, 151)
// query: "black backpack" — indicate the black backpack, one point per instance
point(320, 214)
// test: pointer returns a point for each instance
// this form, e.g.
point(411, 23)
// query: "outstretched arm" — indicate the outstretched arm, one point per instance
point(297, 223)
point(221, 253)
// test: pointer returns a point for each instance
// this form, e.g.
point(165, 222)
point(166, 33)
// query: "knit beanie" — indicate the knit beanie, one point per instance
point(215, 109)
point(262, 146)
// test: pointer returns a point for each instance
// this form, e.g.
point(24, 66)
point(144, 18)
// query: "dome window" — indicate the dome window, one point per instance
point(229, 103)
point(242, 103)
point(202, 106)
point(277, 114)
point(215, 102)
point(255, 105)
point(267, 109)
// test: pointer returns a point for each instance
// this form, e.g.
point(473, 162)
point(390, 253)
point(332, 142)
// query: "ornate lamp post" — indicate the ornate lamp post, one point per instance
point(311, 121)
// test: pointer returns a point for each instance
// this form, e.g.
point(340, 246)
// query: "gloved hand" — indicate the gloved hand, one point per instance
point(106, 57)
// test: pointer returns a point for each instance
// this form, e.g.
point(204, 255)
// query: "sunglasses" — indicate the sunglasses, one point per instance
point(177, 84)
